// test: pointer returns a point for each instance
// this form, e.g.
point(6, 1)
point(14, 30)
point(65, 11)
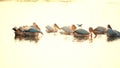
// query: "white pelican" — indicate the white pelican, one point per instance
point(52, 29)
point(84, 33)
point(36, 26)
point(33, 28)
point(68, 29)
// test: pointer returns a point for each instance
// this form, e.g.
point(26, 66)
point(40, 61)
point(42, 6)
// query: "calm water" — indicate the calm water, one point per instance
point(59, 51)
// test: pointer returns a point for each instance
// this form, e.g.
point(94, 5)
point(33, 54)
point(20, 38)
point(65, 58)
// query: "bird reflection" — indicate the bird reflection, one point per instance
point(109, 39)
point(80, 38)
point(27, 38)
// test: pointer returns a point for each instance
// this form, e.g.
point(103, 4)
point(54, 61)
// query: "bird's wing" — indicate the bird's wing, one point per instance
point(81, 31)
point(66, 29)
point(49, 28)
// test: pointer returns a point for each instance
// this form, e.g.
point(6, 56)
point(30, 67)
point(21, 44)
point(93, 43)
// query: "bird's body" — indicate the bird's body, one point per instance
point(100, 30)
point(32, 29)
point(18, 32)
point(113, 33)
point(52, 29)
point(49, 29)
point(80, 33)
point(68, 29)
point(84, 33)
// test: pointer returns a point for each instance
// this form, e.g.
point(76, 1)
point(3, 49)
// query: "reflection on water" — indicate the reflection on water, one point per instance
point(82, 39)
point(27, 38)
point(36, 39)
point(110, 39)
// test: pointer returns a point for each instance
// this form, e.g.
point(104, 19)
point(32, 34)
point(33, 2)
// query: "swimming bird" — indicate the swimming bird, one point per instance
point(33, 30)
point(52, 29)
point(36, 26)
point(84, 33)
point(19, 32)
point(27, 31)
point(112, 33)
point(68, 29)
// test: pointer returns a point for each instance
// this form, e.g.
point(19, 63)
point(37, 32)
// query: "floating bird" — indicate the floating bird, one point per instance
point(68, 29)
point(19, 32)
point(112, 33)
point(33, 30)
point(52, 29)
point(27, 31)
point(84, 33)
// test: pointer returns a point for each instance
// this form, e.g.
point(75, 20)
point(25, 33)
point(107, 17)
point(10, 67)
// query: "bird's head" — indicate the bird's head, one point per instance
point(91, 30)
point(15, 28)
point(56, 26)
point(108, 26)
point(73, 27)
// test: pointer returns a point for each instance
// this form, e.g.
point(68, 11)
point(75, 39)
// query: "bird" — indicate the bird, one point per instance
point(100, 30)
point(84, 33)
point(79, 25)
point(33, 30)
point(52, 29)
point(27, 31)
point(68, 30)
point(36, 26)
point(112, 33)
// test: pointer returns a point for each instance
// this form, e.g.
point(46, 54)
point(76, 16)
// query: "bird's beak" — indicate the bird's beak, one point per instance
point(92, 31)
point(42, 33)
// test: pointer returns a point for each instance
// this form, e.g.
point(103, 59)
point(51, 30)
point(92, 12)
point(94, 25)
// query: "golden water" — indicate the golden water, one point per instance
point(55, 50)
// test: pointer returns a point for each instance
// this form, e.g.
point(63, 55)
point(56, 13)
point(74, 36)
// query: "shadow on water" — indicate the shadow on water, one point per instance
point(110, 39)
point(27, 38)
